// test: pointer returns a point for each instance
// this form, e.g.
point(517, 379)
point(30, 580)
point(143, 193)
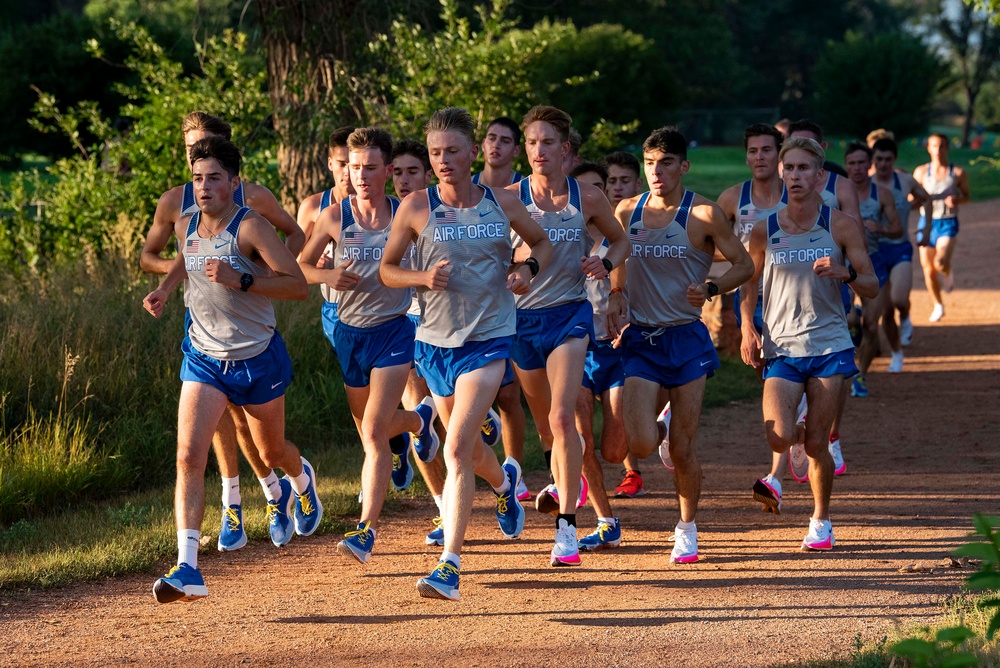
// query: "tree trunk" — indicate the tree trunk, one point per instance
point(303, 39)
point(970, 111)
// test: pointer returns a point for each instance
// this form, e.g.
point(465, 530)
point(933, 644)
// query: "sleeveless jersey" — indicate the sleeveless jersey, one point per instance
point(871, 209)
point(748, 213)
point(662, 266)
point(476, 305)
point(515, 177)
point(899, 196)
point(370, 303)
point(189, 205)
point(803, 313)
point(226, 323)
point(829, 193)
point(598, 292)
point(935, 187)
point(327, 200)
point(561, 280)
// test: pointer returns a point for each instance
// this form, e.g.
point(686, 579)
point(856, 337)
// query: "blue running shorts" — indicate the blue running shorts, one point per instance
point(880, 267)
point(758, 312)
point(893, 254)
point(361, 349)
point(669, 356)
point(940, 227)
point(801, 369)
point(253, 381)
point(329, 317)
point(441, 367)
point(542, 330)
point(603, 369)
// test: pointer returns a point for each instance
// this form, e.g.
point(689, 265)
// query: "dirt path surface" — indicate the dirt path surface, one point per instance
point(922, 456)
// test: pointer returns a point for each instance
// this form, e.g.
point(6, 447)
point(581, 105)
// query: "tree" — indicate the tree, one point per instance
point(886, 81)
point(972, 42)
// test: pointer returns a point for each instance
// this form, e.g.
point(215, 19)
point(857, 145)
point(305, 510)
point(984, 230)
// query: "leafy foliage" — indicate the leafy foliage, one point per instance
point(884, 81)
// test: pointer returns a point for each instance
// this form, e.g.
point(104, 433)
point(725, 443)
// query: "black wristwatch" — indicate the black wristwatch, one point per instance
point(853, 275)
point(713, 289)
point(246, 280)
point(532, 265)
point(607, 264)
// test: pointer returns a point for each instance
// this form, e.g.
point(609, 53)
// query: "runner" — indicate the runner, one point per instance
point(878, 213)
point(592, 173)
point(464, 281)
point(668, 351)
point(232, 431)
point(336, 162)
point(500, 146)
point(897, 254)
point(232, 352)
point(555, 319)
point(800, 253)
point(373, 338)
point(573, 159)
point(948, 187)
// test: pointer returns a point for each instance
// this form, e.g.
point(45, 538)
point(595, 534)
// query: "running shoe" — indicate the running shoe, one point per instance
point(565, 551)
point(631, 485)
point(491, 429)
point(859, 387)
point(948, 281)
point(905, 331)
point(937, 313)
point(436, 537)
point(767, 490)
point(181, 583)
point(798, 463)
point(839, 465)
point(308, 508)
point(896, 364)
point(522, 490)
point(606, 535)
point(358, 543)
point(664, 448)
point(820, 536)
point(685, 546)
point(510, 514)
point(402, 472)
point(547, 500)
point(232, 536)
point(279, 515)
point(427, 441)
point(584, 490)
point(441, 583)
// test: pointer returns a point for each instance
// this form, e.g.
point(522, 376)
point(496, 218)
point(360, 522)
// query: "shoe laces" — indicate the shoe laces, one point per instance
point(603, 529)
point(305, 503)
point(438, 522)
point(488, 426)
point(172, 571)
point(232, 518)
point(272, 513)
point(443, 570)
point(502, 501)
point(685, 541)
point(397, 462)
point(363, 533)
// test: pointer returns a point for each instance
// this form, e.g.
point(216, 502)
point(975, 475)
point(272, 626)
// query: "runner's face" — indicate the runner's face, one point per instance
point(762, 157)
point(192, 137)
point(409, 175)
point(857, 164)
point(591, 178)
point(338, 164)
point(622, 184)
point(663, 171)
point(451, 155)
point(368, 172)
point(500, 147)
point(937, 149)
point(800, 174)
point(885, 162)
point(213, 189)
point(545, 148)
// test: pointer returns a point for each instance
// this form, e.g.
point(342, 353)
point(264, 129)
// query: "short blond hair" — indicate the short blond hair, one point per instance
point(200, 120)
point(557, 118)
point(807, 144)
point(880, 133)
point(452, 119)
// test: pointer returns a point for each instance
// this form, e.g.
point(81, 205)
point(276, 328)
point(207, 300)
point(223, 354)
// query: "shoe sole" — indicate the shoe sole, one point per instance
point(764, 495)
point(319, 504)
point(791, 470)
point(240, 543)
point(291, 521)
point(435, 442)
point(524, 497)
point(623, 495)
point(164, 592)
point(547, 505)
point(434, 542)
point(690, 559)
point(428, 590)
point(819, 547)
point(600, 546)
point(345, 549)
point(559, 562)
point(841, 471)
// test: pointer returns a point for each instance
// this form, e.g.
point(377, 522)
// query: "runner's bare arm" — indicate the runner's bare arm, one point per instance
point(262, 201)
point(257, 236)
point(729, 203)
point(533, 235)
point(895, 228)
point(408, 223)
point(855, 247)
point(325, 230)
point(712, 223)
point(168, 209)
point(751, 345)
point(599, 213)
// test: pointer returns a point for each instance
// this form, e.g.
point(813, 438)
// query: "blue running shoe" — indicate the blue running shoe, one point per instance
point(279, 515)
point(181, 583)
point(232, 536)
point(358, 544)
point(510, 514)
point(491, 429)
point(859, 387)
point(427, 442)
point(607, 535)
point(308, 508)
point(402, 472)
point(441, 583)
point(436, 537)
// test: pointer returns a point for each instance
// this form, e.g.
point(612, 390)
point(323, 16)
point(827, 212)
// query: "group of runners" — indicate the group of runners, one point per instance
point(567, 286)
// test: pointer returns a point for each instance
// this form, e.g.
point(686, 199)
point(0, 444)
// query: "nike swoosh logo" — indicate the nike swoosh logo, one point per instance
point(842, 362)
point(706, 363)
point(495, 352)
point(396, 354)
point(276, 384)
point(222, 245)
point(812, 241)
point(566, 220)
point(483, 214)
point(671, 236)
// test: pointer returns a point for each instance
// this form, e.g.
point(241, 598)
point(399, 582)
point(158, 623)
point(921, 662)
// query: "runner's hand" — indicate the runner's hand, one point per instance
point(342, 279)
point(697, 294)
point(154, 302)
point(826, 268)
point(750, 347)
point(617, 314)
point(517, 282)
point(593, 267)
point(221, 272)
point(437, 278)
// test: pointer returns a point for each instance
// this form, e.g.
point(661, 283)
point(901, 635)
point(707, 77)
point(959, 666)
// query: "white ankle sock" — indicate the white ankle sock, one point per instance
point(453, 558)
point(439, 502)
point(686, 526)
point(231, 492)
point(300, 483)
point(188, 541)
point(272, 490)
point(505, 486)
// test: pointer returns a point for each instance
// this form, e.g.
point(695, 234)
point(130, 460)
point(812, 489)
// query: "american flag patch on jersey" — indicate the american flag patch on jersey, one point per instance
point(637, 234)
point(353, 238)
point(779, 244)
point(192, 245)
point(446, 216)
point(536, 216)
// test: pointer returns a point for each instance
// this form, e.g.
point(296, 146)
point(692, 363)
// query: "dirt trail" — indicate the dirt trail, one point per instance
point(753, 600)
